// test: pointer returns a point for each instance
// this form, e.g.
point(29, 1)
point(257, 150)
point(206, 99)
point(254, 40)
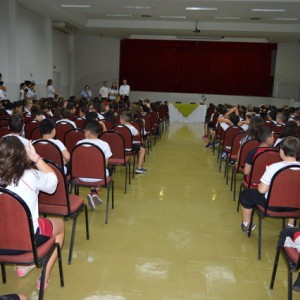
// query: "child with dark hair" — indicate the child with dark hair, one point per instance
point(125, 119)
point(252, 197)
point(65, 114)
point(91, 132)
point(16, 126)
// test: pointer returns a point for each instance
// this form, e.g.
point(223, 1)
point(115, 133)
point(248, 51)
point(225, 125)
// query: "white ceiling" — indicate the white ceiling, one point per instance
point(147, 22)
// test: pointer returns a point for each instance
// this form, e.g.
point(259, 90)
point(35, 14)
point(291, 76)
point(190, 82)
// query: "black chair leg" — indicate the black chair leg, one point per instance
point(3, 271)
point(72, 239)
point(290, 284)
point(107, 204)
point(259, 237)
point(112, 194)
point(87, 222)
point(60, 267)
point(275, 268)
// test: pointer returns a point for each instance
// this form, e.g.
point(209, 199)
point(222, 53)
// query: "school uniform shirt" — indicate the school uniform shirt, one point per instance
point(50, 92)
point(103, 92)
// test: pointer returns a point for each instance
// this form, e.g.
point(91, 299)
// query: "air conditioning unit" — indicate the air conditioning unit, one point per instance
point(65, 27)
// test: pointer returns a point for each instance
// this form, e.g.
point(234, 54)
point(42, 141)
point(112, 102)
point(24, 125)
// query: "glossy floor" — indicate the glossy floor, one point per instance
point(175, 235)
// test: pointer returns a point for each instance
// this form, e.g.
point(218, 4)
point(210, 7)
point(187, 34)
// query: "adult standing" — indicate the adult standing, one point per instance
point(50, 91)
point(113, 91)
point(124, 91)
point(103, 92)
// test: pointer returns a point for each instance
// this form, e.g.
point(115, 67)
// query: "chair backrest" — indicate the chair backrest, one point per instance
point(4, 130)
point(284, 188)
point(277, 128)
point(108, 124)
point(35, 134)
point(116, 143)
point(155, 118)
point(229, 134)
point(147, 120)
point(88, 161)
point(260, 163)
point(245, 148)
point(72, 136)
point(79, 122)
point(235, 144)
point(125, 133)
point(29, 127)
point(61, 129)
point(269, 123)
point(60, 196)
point(16, 225)
point(219, 132)
point(137, 138)
point(49, 150)
point(4, 122)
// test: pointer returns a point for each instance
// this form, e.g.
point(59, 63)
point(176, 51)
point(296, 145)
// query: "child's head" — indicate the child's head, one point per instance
point(291, 146)
point(92, 129)
point(125, 117)
point(37, 114)
point(47, 126)
point(265, 136)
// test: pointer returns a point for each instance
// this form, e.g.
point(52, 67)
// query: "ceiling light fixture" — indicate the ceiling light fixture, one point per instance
point(228, 18)
point(173, 17)
point(200, 8)
point(285, 19)
point(138, 7)
point(75, 5)
point(268, 9)
point(118, 15)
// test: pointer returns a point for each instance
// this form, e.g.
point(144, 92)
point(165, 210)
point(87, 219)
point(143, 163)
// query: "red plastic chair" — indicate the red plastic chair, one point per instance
point(4, 130)
point(290, 256)
point(61, 203)
point(284, 193)
point(61, 129)
point(88, 161)
point(260, 163)
point(72, 136)
point(79, 122)
point(245, 148)
point(119, 157)
point(29, 127)
point(17, 234)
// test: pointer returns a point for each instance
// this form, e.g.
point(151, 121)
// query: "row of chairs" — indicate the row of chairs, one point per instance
point(283, 193)
point(63, 203)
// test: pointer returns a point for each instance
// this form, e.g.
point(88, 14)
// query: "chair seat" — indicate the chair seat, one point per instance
point(118, 161)
point(27, 258)
point(279, 214)
point(75, 203)
point(99, 183)
point(234, 157)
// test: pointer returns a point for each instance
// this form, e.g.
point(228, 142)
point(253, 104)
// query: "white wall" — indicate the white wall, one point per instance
point(287, 71)
point(60, 60)
point(27, 51)
point(96, 59)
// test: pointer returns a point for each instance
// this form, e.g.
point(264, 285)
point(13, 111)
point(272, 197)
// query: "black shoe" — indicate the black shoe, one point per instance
point(296, 286)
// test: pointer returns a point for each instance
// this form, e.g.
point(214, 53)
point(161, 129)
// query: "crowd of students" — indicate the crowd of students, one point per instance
point(273, 128)
point(24, 172)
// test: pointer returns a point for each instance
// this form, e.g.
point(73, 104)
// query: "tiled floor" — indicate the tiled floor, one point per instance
point(175, 235)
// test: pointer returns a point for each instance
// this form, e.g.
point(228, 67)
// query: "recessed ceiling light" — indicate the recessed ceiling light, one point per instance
point(138, 7)
point(228, 18)
point(118, 15)
point(75, 5)
point(173, 17)
point(268, 9)
point(200, 8)
point(285, 19)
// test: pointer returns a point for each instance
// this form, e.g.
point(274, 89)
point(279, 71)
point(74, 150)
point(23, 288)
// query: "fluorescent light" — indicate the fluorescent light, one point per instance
point(200, 8)
point(285, 19)
point(118, 15)
point(228, 18)
point(138, 7)
point(76, 5)
point(268, 9)
point(173, 17)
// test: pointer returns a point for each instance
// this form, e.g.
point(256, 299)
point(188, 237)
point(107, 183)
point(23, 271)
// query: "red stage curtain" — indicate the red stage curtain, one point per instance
point(197, 67)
